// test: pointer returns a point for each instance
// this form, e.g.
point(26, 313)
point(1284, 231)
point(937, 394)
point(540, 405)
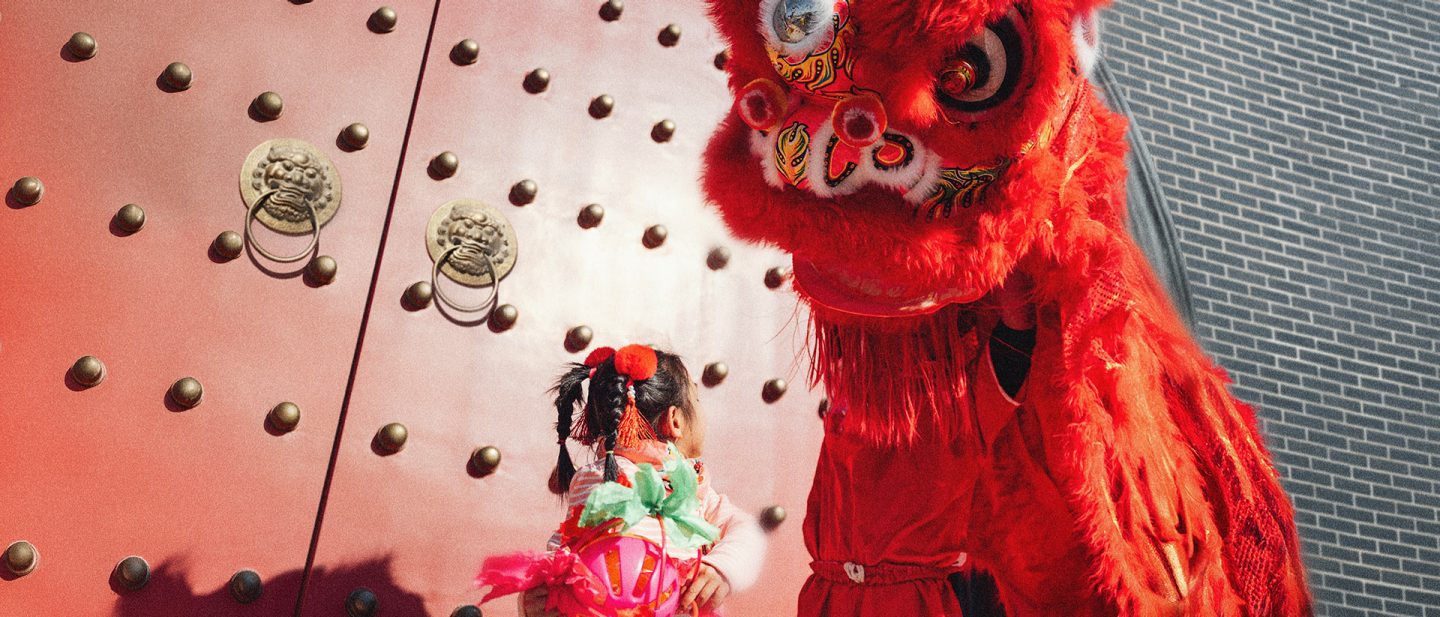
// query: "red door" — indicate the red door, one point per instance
point(457, 388)
point(94, 474)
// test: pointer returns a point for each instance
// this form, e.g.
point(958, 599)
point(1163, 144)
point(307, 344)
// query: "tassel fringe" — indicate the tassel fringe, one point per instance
point(896, 382)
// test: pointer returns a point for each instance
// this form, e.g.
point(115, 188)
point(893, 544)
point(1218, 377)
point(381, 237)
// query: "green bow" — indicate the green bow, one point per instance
point(678, 512)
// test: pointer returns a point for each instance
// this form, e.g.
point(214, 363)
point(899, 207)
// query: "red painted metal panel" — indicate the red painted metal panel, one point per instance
point(92, 475)
point(420, 512)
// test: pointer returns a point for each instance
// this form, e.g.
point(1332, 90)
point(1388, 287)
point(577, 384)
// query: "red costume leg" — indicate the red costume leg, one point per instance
point(889, 513)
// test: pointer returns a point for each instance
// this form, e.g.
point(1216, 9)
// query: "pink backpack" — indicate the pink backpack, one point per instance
point(636, 576)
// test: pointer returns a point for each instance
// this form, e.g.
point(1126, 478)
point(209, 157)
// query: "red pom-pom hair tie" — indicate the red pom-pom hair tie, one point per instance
point(637, 362)
point(598, 356)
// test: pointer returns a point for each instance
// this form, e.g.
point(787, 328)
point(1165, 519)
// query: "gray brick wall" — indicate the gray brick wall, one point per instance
point(1298, 145)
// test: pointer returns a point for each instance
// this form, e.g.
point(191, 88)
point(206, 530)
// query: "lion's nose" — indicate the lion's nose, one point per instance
point(859, 121)
point(856, 121)
point(762, 104)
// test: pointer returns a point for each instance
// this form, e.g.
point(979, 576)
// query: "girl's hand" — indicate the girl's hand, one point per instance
point(707, 590)
point(532, 603)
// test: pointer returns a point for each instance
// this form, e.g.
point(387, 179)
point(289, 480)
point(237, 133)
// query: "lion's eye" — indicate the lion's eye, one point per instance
point(983, 72)
point(796, 27)
point(793, 20)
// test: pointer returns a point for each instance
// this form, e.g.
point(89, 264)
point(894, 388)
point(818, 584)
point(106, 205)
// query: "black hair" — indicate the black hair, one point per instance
point(569, 391)
point(603, 409)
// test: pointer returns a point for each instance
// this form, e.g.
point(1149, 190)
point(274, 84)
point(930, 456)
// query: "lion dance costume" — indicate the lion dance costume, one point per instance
point(951, 191)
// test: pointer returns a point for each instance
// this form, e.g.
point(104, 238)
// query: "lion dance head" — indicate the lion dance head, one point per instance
point(912, 158)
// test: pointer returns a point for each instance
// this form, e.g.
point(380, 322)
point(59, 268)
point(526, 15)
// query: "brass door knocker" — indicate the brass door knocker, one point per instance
point(471, 244)
point(291, 188)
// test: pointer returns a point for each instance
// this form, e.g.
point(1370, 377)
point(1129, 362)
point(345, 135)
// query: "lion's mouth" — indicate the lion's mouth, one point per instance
point(846, 291)
point(897, 276)
point(287, 204)
point(824, 166)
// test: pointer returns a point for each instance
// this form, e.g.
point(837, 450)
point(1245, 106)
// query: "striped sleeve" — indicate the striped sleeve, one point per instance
point(585, 480)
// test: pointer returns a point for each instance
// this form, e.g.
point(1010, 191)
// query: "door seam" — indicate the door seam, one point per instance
point(365, 317)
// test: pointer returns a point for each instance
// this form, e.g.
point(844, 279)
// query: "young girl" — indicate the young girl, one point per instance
point(644, 419)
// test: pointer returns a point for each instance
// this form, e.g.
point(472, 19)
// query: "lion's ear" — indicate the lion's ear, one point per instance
point(1085, 31)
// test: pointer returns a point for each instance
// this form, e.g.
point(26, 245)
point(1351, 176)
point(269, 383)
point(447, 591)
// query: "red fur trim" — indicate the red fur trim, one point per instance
point(900, 380)
point(1130, 385)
